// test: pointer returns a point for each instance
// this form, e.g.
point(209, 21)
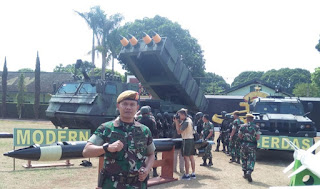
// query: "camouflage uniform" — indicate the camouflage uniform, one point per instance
point(249, 145)
point(235, 141)
point(207, 128)
point(137, 141)
point(226, 129)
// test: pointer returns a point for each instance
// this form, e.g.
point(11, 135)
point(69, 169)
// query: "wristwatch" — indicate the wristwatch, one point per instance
point(105, 147)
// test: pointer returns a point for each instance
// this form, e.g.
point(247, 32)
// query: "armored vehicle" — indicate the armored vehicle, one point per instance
point(282, 116)
point(86, 104)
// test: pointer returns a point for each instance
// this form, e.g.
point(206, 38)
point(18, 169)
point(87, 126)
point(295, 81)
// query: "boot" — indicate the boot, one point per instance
point(224, 149)
point(217, 149)
point(204, 162)
point(245, 174)
point(210, 162)
point(238, 161)
point(155, 174)
point(248, 175)
point(233, 159)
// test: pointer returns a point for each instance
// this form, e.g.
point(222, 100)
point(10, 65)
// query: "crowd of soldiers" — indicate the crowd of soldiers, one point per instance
point(162, 126)
point(239, 141)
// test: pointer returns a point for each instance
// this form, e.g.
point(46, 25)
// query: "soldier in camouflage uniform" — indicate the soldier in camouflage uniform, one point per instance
point(127, 146)
point(234, 139)
point(226, 128)
point(148, 121)
point(207, 134)
point(249, 134)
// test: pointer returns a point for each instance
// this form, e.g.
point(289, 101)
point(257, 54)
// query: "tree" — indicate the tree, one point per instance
point(306, 90)
point(21, 95)
point(25, 70)
point(71, 68)
point(92, 19)
point(246, 76)
point(315, 77)
point(286, 78)
point(103, 26)
point(212, 83)
point(68, 68)
point(36, 105)
point(97, 72)
point(186, 45)
point(4, 88)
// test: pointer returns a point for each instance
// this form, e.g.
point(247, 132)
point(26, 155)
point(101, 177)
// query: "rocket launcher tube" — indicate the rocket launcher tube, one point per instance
point(133, 41)
point(124, 41)
point(156, 37)
point(147, 39)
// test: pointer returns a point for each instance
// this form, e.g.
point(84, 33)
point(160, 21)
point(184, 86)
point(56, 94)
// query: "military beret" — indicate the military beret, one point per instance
point(250, 115)
point(128, 95)
point(236, 112)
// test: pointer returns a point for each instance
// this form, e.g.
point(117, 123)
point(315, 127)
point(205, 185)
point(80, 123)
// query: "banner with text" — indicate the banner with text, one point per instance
point(28, 137)
point(278, 142)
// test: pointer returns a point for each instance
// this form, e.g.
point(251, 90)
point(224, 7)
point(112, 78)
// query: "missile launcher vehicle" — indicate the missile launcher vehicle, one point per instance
point(155, 63)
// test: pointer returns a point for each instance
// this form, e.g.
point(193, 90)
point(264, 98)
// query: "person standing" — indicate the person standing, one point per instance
point(184, 127)
point(127, 146)
point(207, 134)
point(177, 152)
point(152, 125)
point(234, 139)
point(249, 134)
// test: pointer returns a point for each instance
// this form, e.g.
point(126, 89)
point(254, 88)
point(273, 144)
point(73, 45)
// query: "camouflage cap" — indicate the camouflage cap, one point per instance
point(128, 95)
point(250, 115)
point(236, 112)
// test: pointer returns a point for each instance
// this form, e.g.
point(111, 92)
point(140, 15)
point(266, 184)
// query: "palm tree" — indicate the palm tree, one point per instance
point(92, 19)
point(102, 27)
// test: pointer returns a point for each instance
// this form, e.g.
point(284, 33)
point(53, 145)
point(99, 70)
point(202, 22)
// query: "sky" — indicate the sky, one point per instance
point(236, 36)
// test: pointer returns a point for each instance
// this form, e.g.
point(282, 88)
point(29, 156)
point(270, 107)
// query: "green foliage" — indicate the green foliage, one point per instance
point(21, 95)
point(4, 88)
point(315, 77)
point(25, 70)
point(306, 90)
point(68, 68)
point(102, 26)
point(246, 76)
point(97, 73)
point(287, 78)
point(37, 88)
point(318, 46)
point(284, 78)
point(71, 68)
point(186, 45)
point(212, 83)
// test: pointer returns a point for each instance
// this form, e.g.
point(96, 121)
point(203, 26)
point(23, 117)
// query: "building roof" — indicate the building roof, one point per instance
point(254, 81)
point(47, 79)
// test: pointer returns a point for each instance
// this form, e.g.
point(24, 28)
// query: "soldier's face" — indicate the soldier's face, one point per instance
point(128, 108)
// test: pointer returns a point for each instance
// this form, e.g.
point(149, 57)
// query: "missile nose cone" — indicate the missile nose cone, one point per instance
point(156, 37)
point(147, 39)
point(124, 41)
point(133, 41)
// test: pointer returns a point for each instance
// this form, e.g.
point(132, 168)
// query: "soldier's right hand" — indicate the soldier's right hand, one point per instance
point(116, 146)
